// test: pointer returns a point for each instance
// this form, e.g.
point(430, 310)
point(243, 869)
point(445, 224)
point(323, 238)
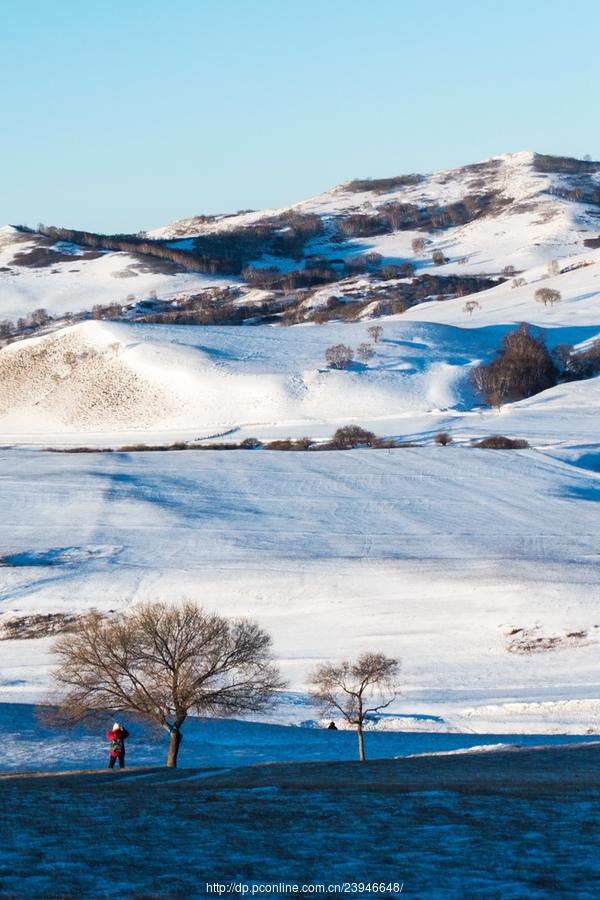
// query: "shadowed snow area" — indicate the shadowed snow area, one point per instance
point(507, 824)
point(35, 745)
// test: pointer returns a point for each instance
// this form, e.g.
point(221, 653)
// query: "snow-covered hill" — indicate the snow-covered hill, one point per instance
point(107, 384)
point(539, 208)
point(520, 210)
point(479, 568)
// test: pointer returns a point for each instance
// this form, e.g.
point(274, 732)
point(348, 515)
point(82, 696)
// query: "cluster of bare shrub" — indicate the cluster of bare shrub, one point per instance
point(395, 216)
point(345, 438)
point(523, 367)
point(341, 356)
point(24, 325)
point(500, 442)
point(579, 364)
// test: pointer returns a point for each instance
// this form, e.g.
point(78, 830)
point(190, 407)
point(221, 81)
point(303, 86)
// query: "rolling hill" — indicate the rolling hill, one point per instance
point(478, 567)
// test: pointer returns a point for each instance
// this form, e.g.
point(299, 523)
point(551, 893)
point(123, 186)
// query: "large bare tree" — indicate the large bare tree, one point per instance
point(164, 661)
point(356, 689)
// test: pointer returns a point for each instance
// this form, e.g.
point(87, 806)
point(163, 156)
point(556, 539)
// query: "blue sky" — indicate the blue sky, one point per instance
point(126, 115)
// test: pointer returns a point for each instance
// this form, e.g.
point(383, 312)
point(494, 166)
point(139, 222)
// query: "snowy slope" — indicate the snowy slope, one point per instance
point(478, 568)
point(80, 283)
point(530, 217)
point(105, 384)
point(534, 226)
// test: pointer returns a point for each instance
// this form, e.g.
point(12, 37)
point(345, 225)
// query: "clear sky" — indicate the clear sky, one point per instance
point(121, 115)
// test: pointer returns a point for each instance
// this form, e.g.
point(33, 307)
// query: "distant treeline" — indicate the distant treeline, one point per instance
point(382, 185)
point(409, 216)
point(219, 253)
point(564, 165)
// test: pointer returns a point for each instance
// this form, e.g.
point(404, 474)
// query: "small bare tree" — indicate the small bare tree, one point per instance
point(365, 352)
point(418, 244)
point(375, 332)
point(356, 689)
point(339, 356)
point(470, 306)
point(547, 296)
point(509, 271)
point(553, 267)
point(438, 257)
point(163, 662)
point(517, 282)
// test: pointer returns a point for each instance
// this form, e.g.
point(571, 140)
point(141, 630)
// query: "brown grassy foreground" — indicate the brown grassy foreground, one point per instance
point(496, 824)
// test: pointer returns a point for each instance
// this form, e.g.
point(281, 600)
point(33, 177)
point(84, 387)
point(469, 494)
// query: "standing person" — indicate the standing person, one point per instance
point(117, 737)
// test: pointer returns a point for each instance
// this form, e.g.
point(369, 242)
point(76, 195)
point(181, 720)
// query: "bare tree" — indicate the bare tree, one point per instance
point(438, 257)
point(39, 317)
point(365, 352)
point(163, 662)
point(339, 356)
point(509, 271)
point(349, 436)
point(356, 689)
point(517, 282)
point(547, 296)
point(375, 332)
point(418, 244)
point(470, 306)
point(553, 267)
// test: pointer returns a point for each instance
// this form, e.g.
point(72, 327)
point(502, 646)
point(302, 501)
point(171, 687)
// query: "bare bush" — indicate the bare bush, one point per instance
point(509, 271)
point(163, 662)
point(470, 306)
point(375, 332)
point(373, 259)
point(35, 625)
point(517, 282)
point(297, 444)
point(418, 244)
point(553, 267)
point(523, 367)
point(365, 352)
point(350, 436)
point(356, 690)
point(547, 296)
point(438, 257)
point(443, 438)
point(500, 442)
point(339, 356)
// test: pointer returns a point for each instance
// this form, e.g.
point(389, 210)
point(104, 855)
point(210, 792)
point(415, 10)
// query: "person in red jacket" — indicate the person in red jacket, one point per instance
point(117, 737)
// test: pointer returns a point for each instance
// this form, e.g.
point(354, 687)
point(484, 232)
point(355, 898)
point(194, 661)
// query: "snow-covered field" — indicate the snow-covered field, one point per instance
point(478, 568)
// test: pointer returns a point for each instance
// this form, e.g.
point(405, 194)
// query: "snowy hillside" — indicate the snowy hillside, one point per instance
point(477, 567)
point(520, 211)
point(108, 384)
